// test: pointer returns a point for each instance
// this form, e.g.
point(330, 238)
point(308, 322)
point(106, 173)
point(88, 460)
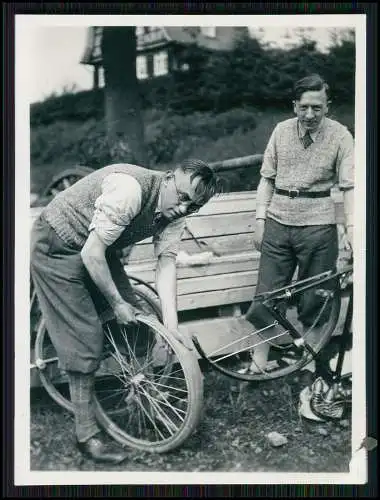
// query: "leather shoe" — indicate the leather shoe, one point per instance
point(96, 449)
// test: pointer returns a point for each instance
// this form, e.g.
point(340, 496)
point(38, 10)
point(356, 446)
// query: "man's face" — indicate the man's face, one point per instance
point(178, 196)
point(311, 108)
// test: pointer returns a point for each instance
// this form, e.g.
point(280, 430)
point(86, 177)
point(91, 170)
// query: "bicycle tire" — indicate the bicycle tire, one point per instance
point(193, 379)
point(305, 359)
point(42, 343)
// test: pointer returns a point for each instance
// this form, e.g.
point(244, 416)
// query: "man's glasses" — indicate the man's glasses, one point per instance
point(184, 197)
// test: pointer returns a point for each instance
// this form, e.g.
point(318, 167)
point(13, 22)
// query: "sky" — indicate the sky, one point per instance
point(53, 53)
point(56, 52)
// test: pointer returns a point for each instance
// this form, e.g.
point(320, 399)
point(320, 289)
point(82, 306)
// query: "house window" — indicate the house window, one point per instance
point(160, 63)
point(97, 52)
point(141, 67)
point(101, 77)
point(209, 31)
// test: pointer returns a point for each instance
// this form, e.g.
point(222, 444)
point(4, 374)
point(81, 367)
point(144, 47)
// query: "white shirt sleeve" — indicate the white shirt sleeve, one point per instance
point(118, 204)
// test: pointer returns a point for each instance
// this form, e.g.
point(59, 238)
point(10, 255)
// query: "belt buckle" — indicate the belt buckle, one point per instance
point(295, 191)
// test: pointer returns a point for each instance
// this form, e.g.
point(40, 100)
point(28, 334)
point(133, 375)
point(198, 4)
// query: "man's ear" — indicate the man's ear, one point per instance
point(294, 107)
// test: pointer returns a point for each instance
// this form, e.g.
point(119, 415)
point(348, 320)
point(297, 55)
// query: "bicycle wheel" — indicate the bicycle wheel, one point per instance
point(55, 380)
point(235, 359)
point(153, 392)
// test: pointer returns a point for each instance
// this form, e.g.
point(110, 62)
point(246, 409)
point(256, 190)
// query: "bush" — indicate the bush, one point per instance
point(173, 137)
point(169, 138)
point(77, 107)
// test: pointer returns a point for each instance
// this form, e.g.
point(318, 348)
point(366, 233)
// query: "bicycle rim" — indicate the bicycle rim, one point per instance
point(152, 401)
point(55, 380)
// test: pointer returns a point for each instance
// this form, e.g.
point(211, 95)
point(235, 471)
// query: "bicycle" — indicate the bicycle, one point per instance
point(291, 348)
point(148, 389)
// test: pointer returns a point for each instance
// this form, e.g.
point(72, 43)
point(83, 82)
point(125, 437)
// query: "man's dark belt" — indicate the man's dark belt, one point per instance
point(295, 193)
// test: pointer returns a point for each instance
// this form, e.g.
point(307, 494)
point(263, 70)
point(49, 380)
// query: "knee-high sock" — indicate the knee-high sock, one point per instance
point(81, 392)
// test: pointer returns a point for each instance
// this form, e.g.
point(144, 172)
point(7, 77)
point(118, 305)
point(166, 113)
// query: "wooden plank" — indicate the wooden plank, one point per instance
point(215, 298)
point(227, 206)
point(236, 195)
point(216, 283)
point(223, 244)
point(217, 265)
point(215, 225)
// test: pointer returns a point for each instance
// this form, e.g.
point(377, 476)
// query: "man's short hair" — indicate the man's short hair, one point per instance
point(209, 185)
point(310, 83)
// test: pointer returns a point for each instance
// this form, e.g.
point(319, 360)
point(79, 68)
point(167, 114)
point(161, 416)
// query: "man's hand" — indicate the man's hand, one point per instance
point(350, 237)
point(125, 313)
point(259, 233)
point(346, 236)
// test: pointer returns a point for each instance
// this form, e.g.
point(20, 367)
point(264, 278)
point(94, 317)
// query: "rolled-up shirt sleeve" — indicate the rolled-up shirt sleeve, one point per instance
point(268, 173)
point(269, 165)
point(167, 242)
point(346, 162)
point(118, 204)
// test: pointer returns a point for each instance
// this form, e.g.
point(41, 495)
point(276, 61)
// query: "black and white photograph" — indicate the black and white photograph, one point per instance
point(189, 238)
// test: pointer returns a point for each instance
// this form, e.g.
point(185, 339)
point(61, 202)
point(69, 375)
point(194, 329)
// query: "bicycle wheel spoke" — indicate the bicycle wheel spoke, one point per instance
point(48, 360)
point(242, 338)
point(166, 403)
point(246, 348)
point(141, 405)
point(170, 426)
point(126, 341)
point(118, 357)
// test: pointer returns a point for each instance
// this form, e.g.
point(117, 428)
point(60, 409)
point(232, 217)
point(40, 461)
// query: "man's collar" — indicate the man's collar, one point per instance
point(313, 135)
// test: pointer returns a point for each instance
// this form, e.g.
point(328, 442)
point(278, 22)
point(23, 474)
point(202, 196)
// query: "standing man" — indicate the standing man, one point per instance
point(295, 215)
point(75, 266)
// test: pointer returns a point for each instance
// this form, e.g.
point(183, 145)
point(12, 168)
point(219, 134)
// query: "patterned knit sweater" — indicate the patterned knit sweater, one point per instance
point(71, 211)
point(328, 162)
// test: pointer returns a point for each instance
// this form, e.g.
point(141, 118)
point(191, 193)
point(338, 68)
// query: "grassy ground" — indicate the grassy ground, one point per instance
point(231, 436)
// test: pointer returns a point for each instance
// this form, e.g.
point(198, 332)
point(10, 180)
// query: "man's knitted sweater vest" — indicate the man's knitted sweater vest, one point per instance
point(71, 211)
point(311, 169)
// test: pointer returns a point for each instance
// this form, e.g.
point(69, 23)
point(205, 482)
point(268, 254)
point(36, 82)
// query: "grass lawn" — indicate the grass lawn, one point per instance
point(231, 436)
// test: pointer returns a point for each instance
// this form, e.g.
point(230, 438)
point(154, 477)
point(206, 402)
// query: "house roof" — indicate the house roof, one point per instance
point(224, 37)
point(186, 35)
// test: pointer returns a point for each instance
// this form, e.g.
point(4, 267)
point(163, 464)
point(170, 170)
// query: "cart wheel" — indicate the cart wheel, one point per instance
point(65, 179)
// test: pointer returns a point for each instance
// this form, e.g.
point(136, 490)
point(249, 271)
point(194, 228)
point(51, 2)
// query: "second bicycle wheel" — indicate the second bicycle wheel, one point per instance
point(54, 379)
point(153, 388)
point(235, 358)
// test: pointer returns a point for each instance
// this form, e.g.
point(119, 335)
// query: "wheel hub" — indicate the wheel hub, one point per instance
point(137, 379)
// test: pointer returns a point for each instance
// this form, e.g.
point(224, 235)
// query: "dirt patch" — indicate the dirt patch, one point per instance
point(232, 436)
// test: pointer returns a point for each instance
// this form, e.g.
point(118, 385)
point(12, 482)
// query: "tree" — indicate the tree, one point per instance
point(125, 127)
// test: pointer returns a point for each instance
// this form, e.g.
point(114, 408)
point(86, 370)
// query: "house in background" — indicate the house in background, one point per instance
point(159, 48)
